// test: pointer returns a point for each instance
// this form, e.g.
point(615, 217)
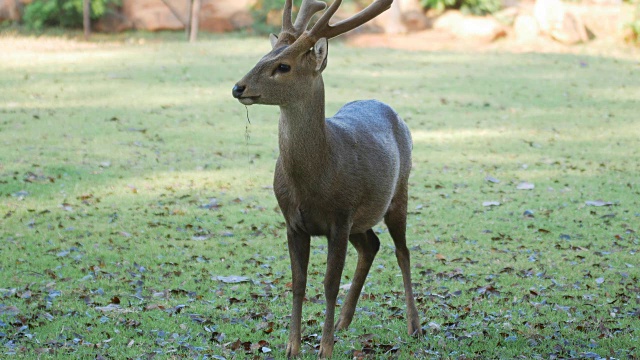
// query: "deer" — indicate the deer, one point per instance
point(335, 177)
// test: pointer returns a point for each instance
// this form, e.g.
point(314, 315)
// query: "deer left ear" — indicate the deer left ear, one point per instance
point(320, 49)
point(274, 40)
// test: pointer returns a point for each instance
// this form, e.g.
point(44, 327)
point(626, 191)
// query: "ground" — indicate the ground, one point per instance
point(137, 217)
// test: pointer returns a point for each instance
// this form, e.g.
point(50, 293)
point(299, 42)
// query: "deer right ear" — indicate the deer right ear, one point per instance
point(274, 39)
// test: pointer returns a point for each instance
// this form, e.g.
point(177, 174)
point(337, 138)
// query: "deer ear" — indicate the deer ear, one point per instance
point(320, 49)
point(274, 39)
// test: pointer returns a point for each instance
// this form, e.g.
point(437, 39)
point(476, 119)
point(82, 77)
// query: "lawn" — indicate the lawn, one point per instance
point(137, 217)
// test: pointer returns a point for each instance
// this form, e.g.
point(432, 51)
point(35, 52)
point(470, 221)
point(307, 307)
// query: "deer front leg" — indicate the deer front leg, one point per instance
point(299, 244)
point(336, 255)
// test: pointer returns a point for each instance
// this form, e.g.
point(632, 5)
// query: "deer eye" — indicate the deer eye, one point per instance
point(283, 68)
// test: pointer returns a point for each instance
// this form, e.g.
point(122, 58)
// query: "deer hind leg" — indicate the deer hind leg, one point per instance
point(299, 246)
point(396, 220)
point(367, 245)
point(337, 252)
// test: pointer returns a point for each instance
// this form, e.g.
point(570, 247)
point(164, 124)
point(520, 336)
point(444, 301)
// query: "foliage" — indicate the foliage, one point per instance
point(634, 26)
point(261, 11)
point(267, 13)
point(64, 13)
point(149, 228)
point(476, 7)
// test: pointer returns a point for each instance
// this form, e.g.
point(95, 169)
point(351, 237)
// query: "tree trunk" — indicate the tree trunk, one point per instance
point(86, 18)
point(187, 25)
point(394, 24)
point(195, 21)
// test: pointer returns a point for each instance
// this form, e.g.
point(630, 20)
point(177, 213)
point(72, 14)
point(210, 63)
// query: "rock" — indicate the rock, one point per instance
point(113, 21)
point(561, 25)
point(572, 30)
point(448, 21)
point(9, 10)
point(413, 15)
point(152, 15)
point(603, 20)
point(508, 15)
point(215, 15)
point(526, 28)
point(404, 16)
point(485, 29)
point(549, 14)
point(226, 15)
point(415, 20)
point(410, 5)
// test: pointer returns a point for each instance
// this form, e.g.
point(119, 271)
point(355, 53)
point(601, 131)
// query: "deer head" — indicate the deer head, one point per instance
point(298, 55)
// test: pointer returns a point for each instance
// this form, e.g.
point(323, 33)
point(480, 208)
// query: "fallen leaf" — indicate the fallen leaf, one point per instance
point(233, 279)
point(63, 253)
point(212, 204)
point(491, 203)
point(9, 310)
point(153, 307)
point(110, 308)
point(525, 186)
point(598, 203)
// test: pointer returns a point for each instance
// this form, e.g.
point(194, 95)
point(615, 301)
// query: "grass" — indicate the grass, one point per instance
point(134, 192)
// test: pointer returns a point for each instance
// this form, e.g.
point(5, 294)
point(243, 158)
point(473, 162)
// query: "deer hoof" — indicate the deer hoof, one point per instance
point(341, 324)
point(325, 351)
point(415, 330)
point(292, 350)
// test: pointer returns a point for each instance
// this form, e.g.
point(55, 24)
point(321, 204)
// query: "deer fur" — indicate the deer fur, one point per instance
point(335, 177)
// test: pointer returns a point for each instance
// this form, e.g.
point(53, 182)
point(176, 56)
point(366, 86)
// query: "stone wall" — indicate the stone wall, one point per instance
point(154, 15)
point(10, 10)
point(215, 15)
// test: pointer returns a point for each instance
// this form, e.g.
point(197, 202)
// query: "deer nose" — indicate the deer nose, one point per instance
point(238, 90)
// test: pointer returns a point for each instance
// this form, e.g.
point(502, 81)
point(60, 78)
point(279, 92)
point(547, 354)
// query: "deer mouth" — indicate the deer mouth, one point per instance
point(249, 100)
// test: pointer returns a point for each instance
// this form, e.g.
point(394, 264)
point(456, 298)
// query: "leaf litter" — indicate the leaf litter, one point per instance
point(168, 267)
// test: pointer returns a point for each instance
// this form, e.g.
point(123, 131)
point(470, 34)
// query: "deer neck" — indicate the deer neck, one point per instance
point(303, 139)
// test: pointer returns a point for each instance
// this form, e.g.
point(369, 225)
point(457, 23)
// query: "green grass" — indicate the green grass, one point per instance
point(129, 176)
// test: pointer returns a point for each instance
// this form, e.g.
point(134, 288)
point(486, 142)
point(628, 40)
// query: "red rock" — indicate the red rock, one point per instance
point(526, 28)
point(480, 28)
point(215, 15)
point(9, 10)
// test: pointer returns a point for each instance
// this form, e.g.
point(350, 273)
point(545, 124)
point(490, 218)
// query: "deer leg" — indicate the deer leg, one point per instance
point(396, 220)
point(367, 245)
point(337, 253)
point(299, 245)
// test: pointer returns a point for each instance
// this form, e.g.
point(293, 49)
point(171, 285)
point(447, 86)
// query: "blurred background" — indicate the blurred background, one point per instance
point(410, 24)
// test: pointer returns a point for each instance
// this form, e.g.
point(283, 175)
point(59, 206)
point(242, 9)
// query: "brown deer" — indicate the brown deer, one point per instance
point(335, 177)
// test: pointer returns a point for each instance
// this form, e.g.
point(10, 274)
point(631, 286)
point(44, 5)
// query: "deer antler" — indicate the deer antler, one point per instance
point(323, 29)
point(307, 10)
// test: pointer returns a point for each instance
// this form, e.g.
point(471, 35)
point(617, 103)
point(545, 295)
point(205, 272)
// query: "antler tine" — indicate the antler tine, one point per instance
point(307, 10)
point(287, 26)
point(323, 29)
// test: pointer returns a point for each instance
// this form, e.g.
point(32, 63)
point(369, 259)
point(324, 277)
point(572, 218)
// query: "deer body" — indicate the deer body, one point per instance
point(335, 177)
point(350, 163)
